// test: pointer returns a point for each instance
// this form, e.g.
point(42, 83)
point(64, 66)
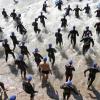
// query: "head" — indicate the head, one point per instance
point(41, 13)
point(19, 15)
point(36, 19)
point(70, 62)
point(59, 29)
point(12, 33)
point(77, 6)
point(3, 9)
point(29, 78)
point(5, 40)
point(13, 10)
point(95, 65)
point(45, 59)
point(50, 45)
point(68, 6)
point(64, 16)
point(74, 27)
point(13, 97)
point(87, 28)
point(23, 43)
point(68, 83)
point(87, 4)
point(36, 50)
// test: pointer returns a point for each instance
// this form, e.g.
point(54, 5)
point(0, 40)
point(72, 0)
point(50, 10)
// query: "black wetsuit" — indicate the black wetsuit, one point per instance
point(63, 22)
point(36, 29)
point(14, 40)
point(8, 51)
point(97, 25)
point(38, 58)
point(77, 12)
point(92, 75)
point(22, 66)
point(68, 73)
point(59, 40)
point(51, 54)
point(73, 34)
point(87, 41)
point(42, 17)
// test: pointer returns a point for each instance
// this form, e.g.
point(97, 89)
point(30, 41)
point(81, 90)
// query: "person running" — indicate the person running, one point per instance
point(97, 26)
point(14, 40)
point(21, 28)
point(51, 53)
point(97, 13)
point(15, 1)
point(24, 50)
point(42, 17)
point(87, 32)
point(7, 49)
point(69, 69)
point(37, 57)
point(1, 33)
point(4, 13)
point(35, 25)
point(13, 14)
point(87, 42)
point(59, 39)
point(68, 89)
point(92, 74)
point(28, 88)
point(87, 9)
point(44, 69)
point(44, 8)
point(72, 34)
point(68, 9)
point(64, 22)
point(22, 66)
point(59, 4)
point(77, 9)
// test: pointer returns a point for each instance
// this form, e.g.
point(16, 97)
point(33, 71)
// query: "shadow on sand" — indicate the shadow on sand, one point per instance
point(89, 61)
point(13, 69)
point(56, 72)
point(96, 93)
point(76, 94)
point(51, 92)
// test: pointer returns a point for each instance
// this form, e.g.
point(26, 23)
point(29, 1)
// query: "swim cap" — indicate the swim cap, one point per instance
point(45, 58)
point(95, 65)
point(12, 97)
point(12, 33)
point(50, 45)
point(69, 83)
point(70, 62)
point(29, 78)
point(5, 40)
point(36, 50)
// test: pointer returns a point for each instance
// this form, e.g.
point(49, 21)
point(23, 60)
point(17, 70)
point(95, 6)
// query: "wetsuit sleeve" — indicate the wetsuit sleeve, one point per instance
point(86, 71)
point(45, 17)
point(17, 27)
point(54, 50)
point(40, 56)
point(73, 69)
point(77, 33)
point(95, 25)
point(65, 8)
point(69, 34)
point(71, 9)
point(82, 40)
point(92, 42)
